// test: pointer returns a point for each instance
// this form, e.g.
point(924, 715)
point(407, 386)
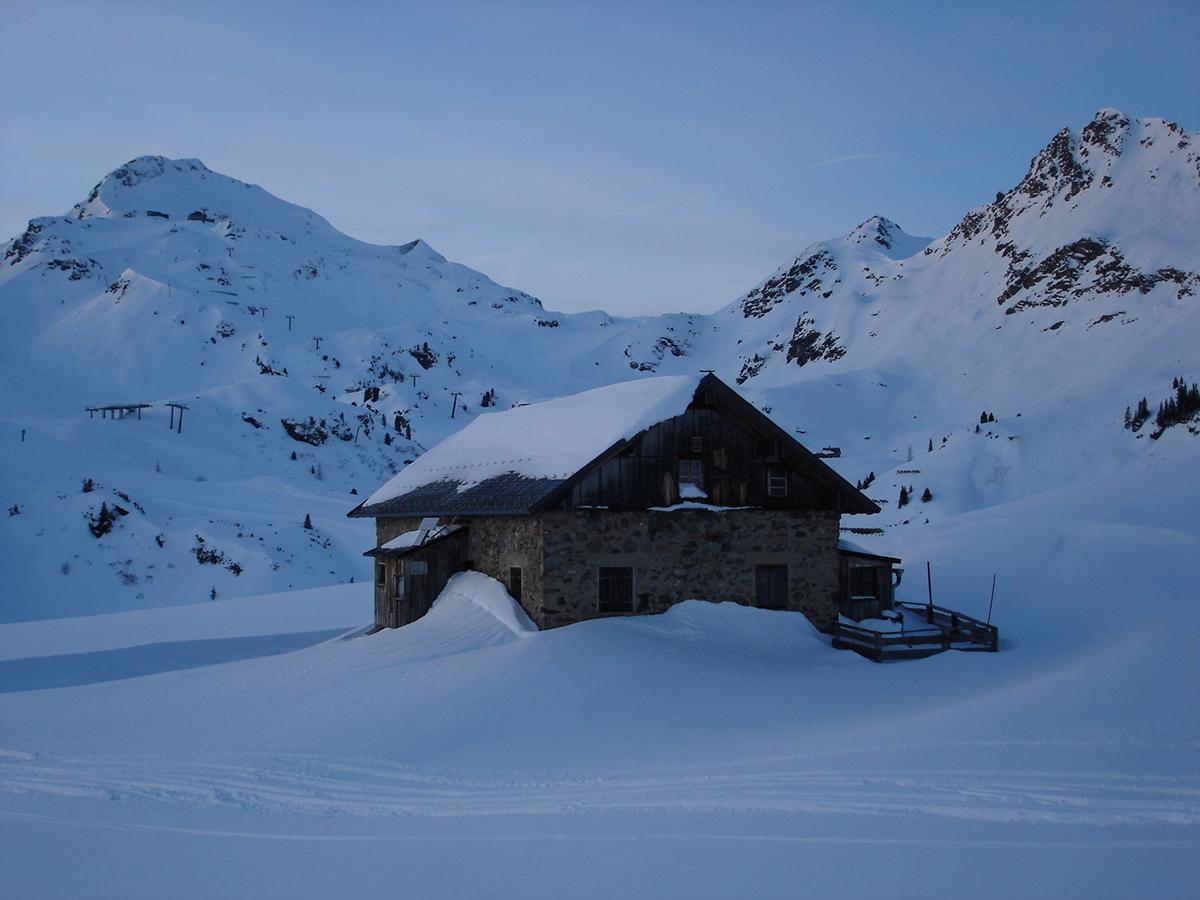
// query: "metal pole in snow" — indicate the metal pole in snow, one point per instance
point(992, 598)
point(289, 318)
point(454, 406)
point(929, 585)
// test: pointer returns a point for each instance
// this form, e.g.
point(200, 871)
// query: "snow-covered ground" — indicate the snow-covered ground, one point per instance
point(269, 747)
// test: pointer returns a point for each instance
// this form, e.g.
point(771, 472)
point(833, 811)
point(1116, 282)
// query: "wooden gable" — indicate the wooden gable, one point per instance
point(735, 454)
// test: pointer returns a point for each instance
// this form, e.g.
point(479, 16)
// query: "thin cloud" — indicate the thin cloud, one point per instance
point(838, 160)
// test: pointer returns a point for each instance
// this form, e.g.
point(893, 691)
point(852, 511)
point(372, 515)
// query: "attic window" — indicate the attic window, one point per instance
point(691, 471)
point(777, 481)
point(766, 449)
point(697, 444)
point(616, 590)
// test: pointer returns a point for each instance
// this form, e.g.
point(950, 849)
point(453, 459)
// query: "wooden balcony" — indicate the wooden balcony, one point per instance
point(923, 631)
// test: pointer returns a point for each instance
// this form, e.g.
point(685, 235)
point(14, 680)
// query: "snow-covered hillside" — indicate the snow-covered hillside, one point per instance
point(1066, 299)
point(312, 365)
point(269, 747)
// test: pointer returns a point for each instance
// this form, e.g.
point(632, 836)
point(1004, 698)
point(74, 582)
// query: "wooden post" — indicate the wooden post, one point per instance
point(172, 422)
point(179, 429)
point(929, 586)
point(289, 318)
point(454, 405)
point(991, 599)
point(318, 340)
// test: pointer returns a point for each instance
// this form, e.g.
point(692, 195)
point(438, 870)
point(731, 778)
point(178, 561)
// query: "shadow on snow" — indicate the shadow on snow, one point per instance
point(37, 673)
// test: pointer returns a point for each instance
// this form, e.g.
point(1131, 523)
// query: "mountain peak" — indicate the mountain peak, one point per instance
point(887, 236)
point(176, 189)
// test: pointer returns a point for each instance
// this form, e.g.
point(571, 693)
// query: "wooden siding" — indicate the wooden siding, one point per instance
point(735, 459)
point(441, 559)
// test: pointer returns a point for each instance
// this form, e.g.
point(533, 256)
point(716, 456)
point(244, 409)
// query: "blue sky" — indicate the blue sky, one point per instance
point(636, 157)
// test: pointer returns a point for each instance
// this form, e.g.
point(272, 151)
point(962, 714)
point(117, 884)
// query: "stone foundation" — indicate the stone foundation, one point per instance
point(675, 556)
point(688, 554)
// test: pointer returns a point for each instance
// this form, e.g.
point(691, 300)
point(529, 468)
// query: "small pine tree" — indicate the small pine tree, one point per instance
point(387, 438)
point(926, 495)
point(977, 428)
point(983, 417)
point(293, 456)
point(930, 450)
point(1128, 418)
point(308, 522)
point(903, 501)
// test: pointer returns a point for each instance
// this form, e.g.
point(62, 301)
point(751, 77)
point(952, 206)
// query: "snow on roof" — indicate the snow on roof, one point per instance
point(848, 546)
point(423, 535)
point(549, 440)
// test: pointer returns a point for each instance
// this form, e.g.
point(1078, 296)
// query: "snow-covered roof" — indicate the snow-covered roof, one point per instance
point(848, 546)
point(419, 537)
point(522, 453)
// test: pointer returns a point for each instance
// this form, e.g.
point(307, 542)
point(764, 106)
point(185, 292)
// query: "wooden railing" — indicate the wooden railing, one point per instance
point(948, 630)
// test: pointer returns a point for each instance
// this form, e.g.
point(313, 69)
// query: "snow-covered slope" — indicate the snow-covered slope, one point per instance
point(312, 365)
point(253, 748)
point(1052, 308)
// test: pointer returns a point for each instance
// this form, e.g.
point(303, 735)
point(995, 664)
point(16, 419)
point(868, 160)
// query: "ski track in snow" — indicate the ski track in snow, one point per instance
point(318, 786)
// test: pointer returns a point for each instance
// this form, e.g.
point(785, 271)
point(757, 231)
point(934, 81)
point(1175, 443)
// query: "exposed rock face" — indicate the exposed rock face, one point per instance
point(804, 276)
point(1082, 268)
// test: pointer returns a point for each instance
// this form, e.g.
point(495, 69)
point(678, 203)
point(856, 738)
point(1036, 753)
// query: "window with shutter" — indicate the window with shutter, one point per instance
point(864, 583)
point(771, 587)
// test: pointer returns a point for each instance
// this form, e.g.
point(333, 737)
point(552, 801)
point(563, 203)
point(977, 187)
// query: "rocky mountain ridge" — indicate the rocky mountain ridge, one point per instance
point(313, 364)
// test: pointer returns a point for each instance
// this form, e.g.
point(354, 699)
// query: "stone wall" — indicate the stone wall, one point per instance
point(675, 556)
point(688, 554)
point(500, 542)
point(496, 543)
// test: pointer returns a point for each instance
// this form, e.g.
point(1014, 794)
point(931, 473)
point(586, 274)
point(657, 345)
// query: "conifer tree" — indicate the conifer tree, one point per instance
point(926, 495)
point(308, 522)
point(903, 501)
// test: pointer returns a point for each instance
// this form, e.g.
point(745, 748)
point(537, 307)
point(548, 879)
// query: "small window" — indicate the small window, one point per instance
point(380, 574)
point(514, 582)
point(616, 589)
point(765, 449)
point(771, 587)
point(691, 471)
point(777, 481)
point(864, 583)
point(697, 444)
point(398, 585)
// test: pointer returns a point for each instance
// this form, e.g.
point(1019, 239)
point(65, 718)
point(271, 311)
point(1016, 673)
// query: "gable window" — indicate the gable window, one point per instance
point(616, 589)
point(771, 587)
point(514, 582)
point(777, 481)
point(864, 583)
point(691, 471)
